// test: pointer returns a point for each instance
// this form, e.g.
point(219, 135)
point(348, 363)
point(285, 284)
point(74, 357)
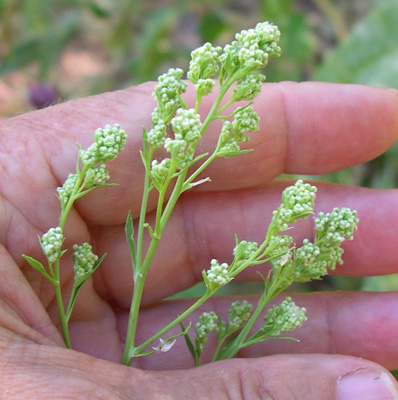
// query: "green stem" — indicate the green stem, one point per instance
point(129, 352)
point(140, 276)
point(56, 272)
point(199, 170)
point(61, 309)
point(161, 220)
point(140, 233)
point(218, 348)
point(76, 190)
point(237, 343)
point(175, 322)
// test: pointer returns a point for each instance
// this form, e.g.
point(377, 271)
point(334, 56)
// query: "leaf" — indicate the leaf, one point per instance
point(84, 192)
point(129, 229)
point(77, 286)
point(38, 266)
point(145, 162)
point(189, 344)
point(266, 338)
point(233, 153)
point(151, 232)
point(370, 54)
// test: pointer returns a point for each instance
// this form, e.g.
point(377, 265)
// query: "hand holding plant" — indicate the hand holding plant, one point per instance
point(95, 325)
point(236, 64)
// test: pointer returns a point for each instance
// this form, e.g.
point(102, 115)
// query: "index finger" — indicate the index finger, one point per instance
point(306, 128)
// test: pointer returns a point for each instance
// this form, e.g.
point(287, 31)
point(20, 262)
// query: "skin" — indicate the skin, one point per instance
point(306, 128)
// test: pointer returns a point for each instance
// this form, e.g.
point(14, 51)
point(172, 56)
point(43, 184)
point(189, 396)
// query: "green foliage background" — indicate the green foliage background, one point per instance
point(327, 40)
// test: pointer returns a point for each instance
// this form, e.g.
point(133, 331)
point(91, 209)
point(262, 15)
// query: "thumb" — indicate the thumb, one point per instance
point(283, 377)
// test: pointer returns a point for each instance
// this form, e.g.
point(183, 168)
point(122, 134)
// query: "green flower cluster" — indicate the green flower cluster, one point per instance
point(51, 243)
point(238, 314)
point(160, 170)
point(96, 176)
point(83, 261)
point(207, 323)
point(187, 131)
point(217, 275)
point(168, 93)
point(248, 87)
point(243, 251)
point(251, 49)
point(297, 203)
point(66, 190)
point(331, 230)
point(204, 62)
point(108, 142)
point(311, 260)
point(284, 317)
point(168, 97)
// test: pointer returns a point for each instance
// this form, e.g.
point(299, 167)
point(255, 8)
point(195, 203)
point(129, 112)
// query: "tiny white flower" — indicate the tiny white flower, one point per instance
point(164, 345)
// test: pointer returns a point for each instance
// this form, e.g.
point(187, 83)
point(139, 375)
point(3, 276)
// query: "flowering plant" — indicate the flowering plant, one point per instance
point(233, 73)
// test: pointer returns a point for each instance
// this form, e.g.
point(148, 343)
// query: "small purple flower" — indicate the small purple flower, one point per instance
point(42, 95)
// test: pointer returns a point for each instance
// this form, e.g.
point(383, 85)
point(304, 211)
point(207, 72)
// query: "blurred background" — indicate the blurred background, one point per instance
point(55, 50)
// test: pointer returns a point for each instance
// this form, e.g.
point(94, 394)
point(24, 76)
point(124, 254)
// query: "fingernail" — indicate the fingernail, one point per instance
point(367, 384)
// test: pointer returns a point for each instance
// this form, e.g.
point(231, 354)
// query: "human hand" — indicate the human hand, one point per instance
point(309, 128)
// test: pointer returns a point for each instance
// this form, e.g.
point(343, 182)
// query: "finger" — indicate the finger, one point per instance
point(286, 377)
point(47, 372)
point(358, 324)
point(307, 128)
point(20, 309)
point(203, 227)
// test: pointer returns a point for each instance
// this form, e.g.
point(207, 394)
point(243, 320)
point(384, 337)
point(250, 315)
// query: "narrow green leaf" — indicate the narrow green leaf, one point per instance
point(98, 263)
point(262, 339)
point(151, 232)
point(84, 192)
point(206, 280)
point(145, 162)
point(129, 229)
point(38, 266)
point(145, 353)
point(77, 286)
point(183, 333)
point(197, 158)
point(233, 153)
point(190, 345)
point(221, 328)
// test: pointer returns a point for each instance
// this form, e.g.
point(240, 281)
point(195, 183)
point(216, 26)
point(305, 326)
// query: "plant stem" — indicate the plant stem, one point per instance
point(72, 198)
point(162, 217)
point(61, 309)
point(55, 273)
point(140, 276)
point(237, 343)
point(140, 233)
point(175, 322)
